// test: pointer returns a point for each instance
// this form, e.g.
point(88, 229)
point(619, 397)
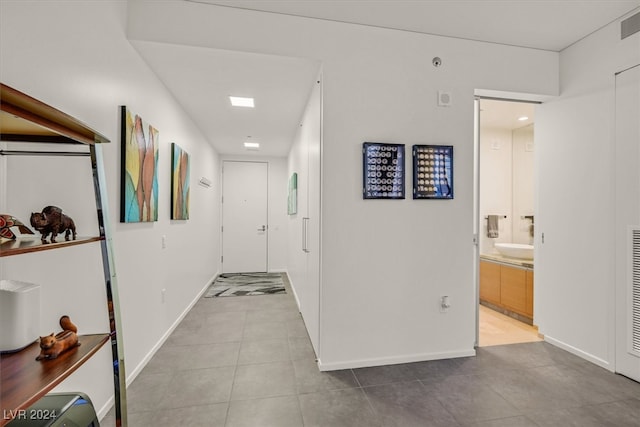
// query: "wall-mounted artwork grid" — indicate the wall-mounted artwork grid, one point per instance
point(383, 170)
point(180, 186)
point(139, 169)
point(432, 172)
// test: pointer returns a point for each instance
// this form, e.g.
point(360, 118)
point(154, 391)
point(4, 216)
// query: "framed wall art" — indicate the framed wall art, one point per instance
point(139, 169)
point(383, 170)
point(433, 172)
point(180, 186)
point(292, 200)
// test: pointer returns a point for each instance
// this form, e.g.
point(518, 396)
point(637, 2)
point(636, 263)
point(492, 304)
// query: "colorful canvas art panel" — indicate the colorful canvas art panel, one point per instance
point(180, 172)
point(292, 202)
point(139, 169)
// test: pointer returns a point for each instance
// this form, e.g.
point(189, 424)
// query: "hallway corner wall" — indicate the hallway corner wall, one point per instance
point(385, 263)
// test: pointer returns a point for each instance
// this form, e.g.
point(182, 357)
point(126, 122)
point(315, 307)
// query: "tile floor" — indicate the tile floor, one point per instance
point(247, 361)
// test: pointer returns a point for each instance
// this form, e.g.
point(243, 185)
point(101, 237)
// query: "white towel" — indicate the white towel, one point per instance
point(492, 226)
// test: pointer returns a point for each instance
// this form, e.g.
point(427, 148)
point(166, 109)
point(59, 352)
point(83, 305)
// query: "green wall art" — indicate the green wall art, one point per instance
point(292, 200)
point(180, 188)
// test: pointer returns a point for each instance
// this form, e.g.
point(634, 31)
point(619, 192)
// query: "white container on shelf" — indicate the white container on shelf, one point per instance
point(19, 314)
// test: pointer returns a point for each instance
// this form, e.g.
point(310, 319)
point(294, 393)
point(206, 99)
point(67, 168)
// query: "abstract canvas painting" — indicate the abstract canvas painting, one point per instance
point(180, 166)
point(292, 200)
point(139, 169)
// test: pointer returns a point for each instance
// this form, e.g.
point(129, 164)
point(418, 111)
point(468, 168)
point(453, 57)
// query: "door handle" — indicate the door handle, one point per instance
point(305, 235)
point(263, 228)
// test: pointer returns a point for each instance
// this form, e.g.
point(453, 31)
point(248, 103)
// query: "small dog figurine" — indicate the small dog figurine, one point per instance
point(53, 221)
point(52, 345)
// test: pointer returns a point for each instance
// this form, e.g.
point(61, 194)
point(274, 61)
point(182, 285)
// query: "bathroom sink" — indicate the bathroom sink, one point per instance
point(515, 250)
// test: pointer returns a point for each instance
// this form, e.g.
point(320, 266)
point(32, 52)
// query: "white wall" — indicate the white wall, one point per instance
point(574, 139)
point(75, 57)
point(385, 264)
point(506, 184)
point(496, 184)
point(523, 183)
point(277, 209)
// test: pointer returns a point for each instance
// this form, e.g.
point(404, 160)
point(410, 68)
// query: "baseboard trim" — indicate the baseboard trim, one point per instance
point(395, 360)
point(580, 353)
point(132, 376)
point(135, 372)
point(102, 412)
point(293, 289)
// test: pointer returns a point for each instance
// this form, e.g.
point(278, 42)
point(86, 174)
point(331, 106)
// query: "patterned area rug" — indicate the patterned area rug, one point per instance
point(241, 284)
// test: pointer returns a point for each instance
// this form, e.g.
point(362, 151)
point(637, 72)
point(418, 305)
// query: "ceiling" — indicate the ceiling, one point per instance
point(539, 24)
point(505, 114)
point(201, 79)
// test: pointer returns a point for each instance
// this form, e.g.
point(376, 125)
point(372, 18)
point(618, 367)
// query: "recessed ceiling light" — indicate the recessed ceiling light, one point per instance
point(251, 145)
point(523, 118)
point(238, 101)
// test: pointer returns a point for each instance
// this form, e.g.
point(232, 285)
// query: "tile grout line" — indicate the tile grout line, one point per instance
point(235, 369)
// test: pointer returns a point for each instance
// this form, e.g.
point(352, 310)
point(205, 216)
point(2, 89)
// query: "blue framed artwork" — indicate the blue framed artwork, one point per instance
point(433, 172)
point(383, 170)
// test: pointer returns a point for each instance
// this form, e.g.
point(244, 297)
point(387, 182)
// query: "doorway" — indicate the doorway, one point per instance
point(505, 220)
point(245, 227)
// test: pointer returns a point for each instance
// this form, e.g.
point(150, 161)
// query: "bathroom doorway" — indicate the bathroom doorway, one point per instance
point(505, 221)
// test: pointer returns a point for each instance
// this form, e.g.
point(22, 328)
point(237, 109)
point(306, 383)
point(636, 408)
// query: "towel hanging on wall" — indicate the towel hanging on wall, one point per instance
point(492, 226)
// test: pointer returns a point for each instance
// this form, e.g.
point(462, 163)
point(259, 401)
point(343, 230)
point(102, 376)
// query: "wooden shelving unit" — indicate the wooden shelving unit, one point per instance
point(23, 380)
point(25, 246)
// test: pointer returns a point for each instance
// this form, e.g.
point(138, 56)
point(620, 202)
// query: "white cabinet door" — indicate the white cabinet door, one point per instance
point(628, 217)
point(311, 311)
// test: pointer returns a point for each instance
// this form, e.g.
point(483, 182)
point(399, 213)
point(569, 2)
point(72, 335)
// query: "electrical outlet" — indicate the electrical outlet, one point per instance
point(162, 294)
point(164, 241)
point(445, 303)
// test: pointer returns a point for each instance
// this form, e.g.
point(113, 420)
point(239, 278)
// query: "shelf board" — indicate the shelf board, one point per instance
point(23, 380)
point(27, 119)
point(24, 246)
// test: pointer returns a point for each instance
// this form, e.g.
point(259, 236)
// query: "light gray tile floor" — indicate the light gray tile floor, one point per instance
point(247, 361)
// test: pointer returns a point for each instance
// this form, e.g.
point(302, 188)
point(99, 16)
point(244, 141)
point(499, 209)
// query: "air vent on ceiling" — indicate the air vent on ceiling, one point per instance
point(630, 26)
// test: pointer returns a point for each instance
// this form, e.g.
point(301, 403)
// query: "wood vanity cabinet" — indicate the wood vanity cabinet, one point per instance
point(490, 282)
point(513, 288)
point(529, 293)
point(507, 287)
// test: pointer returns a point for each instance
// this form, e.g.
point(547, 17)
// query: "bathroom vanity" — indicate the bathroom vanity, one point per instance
point(506, 285)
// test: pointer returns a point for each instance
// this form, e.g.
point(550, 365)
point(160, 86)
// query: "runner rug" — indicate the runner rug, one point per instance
point(240, 284)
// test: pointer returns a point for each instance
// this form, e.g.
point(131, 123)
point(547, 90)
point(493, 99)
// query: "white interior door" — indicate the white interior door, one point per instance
point(244, 217)
point(627, 125)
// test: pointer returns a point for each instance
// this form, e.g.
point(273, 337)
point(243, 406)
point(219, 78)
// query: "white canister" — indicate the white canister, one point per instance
point(19, 314)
